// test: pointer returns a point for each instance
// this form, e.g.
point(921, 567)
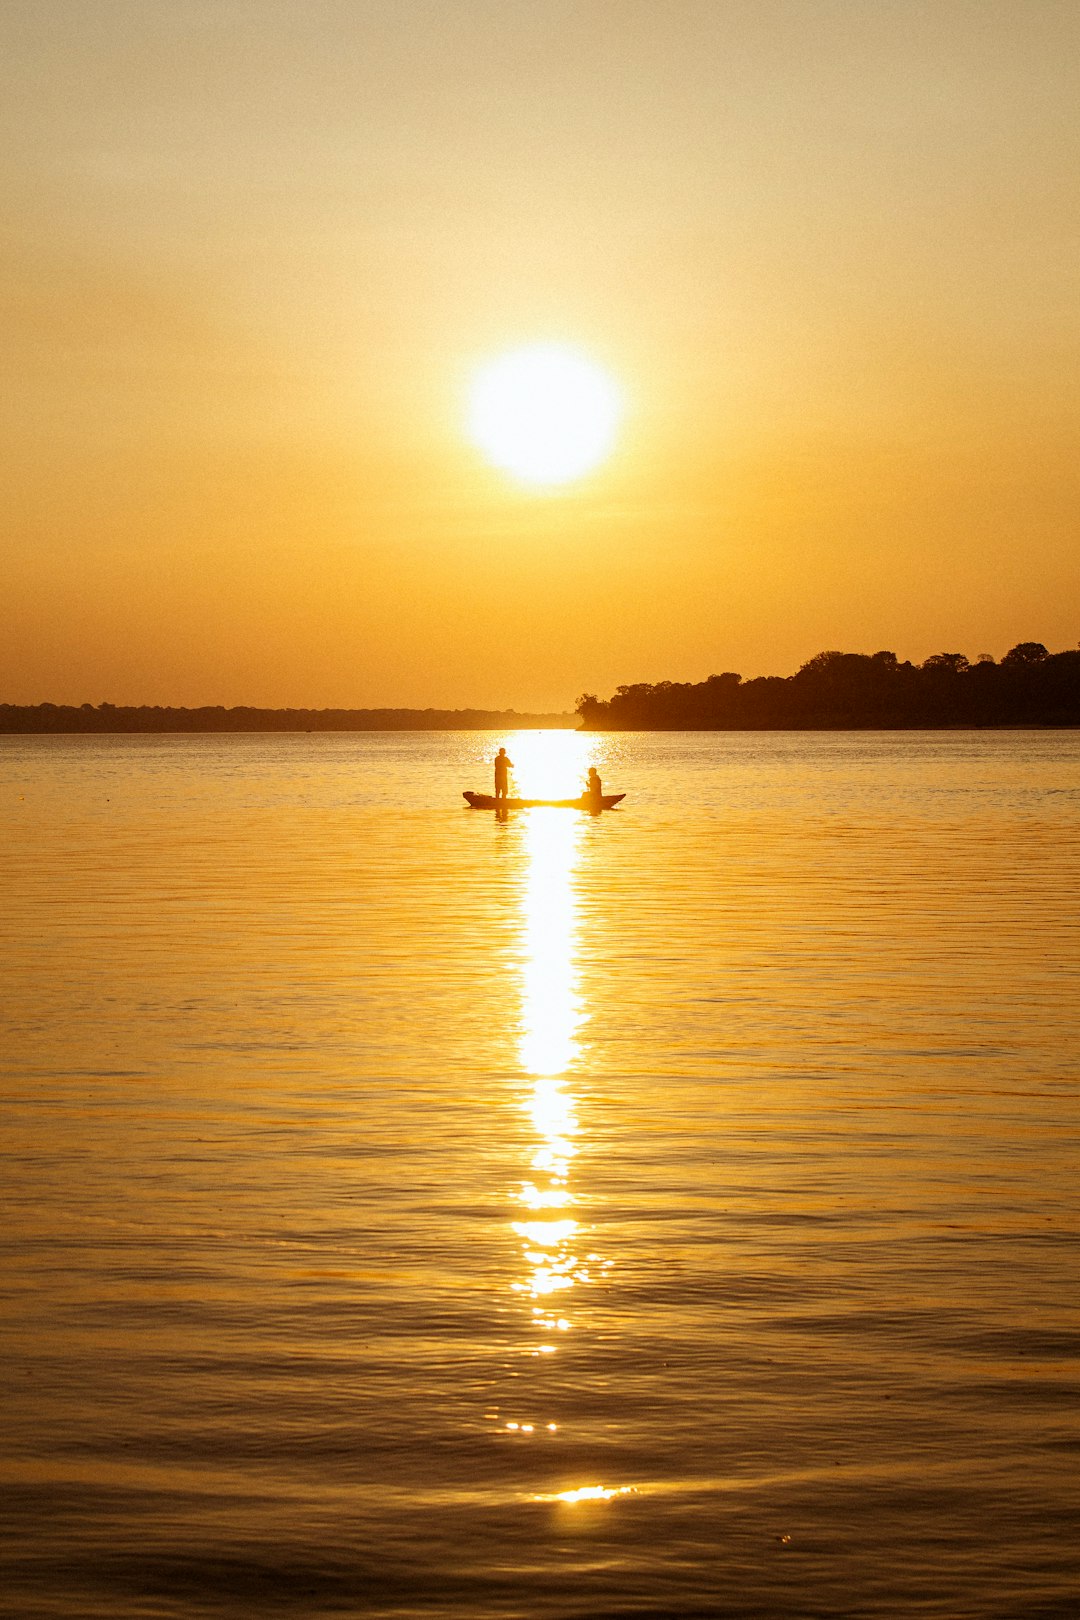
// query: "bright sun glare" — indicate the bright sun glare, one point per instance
point(545, 413)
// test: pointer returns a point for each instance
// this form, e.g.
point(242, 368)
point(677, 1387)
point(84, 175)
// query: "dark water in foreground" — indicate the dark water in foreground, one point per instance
point(666, 1213)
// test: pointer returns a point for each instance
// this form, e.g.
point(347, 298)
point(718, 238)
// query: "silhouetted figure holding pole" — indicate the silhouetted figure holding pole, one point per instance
point(503, 767)
point(594, 789)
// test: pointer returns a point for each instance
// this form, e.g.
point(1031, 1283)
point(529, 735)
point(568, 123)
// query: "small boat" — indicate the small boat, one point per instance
point(486, 801)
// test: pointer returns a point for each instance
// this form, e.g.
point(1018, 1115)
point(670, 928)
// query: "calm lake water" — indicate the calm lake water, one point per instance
point(670, 1213)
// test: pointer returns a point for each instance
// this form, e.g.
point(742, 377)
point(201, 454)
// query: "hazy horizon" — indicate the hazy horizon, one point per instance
point(494, 708)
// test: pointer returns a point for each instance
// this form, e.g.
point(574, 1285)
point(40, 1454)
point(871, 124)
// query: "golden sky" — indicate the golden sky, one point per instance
point(253, 250)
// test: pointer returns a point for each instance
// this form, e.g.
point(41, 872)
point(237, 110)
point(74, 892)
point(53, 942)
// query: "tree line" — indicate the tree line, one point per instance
point(838, 691)
point(61, 717)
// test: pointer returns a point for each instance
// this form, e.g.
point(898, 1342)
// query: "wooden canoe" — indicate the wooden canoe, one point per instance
point(486, 801)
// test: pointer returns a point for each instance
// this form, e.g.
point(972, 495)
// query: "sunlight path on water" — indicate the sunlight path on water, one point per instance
point(549, 765)
point(552, 1016)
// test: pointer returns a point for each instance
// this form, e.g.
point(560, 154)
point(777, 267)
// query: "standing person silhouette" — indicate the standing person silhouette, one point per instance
point(503, 767)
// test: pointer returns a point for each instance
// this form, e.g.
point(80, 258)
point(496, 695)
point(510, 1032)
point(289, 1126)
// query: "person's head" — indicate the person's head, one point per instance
point(502, 750)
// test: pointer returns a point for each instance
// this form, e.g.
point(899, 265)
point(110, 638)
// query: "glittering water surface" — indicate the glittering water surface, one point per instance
point(668, 1212)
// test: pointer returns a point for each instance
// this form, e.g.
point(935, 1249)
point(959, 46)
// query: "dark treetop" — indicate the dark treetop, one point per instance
point(842, 691)
point(107, 717)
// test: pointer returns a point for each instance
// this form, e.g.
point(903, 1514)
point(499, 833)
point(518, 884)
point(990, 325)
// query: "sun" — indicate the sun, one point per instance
point(545, 413)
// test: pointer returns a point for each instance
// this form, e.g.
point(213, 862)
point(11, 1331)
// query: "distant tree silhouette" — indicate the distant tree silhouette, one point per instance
point(846, 691)
point(955, 663)
point(832, 691)
point(1025, 652)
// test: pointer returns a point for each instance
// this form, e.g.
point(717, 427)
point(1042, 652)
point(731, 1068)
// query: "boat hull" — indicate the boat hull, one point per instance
point(485, 801)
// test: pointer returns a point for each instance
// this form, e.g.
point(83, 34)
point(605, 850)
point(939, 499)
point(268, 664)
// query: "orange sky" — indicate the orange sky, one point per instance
point(254, 248)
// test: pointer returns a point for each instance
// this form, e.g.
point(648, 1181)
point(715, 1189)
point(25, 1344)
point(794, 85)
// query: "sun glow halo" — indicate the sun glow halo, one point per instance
point(545, 413)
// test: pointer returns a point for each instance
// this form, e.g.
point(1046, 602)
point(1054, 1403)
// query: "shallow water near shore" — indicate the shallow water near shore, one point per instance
point(408, 1212)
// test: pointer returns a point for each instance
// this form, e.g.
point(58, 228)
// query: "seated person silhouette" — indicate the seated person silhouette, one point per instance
point(503, 767)
point(594, 787)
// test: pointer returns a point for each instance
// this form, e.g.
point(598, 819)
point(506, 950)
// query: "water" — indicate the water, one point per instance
point(671, 1212)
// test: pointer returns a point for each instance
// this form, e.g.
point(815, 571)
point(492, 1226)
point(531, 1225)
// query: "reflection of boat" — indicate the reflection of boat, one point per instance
point(485, 801)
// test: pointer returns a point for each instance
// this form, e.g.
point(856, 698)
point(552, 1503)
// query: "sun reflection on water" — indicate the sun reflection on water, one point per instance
point(551, 1016)
point(550, 764)
point(588, 1493)
point(552, 1013)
